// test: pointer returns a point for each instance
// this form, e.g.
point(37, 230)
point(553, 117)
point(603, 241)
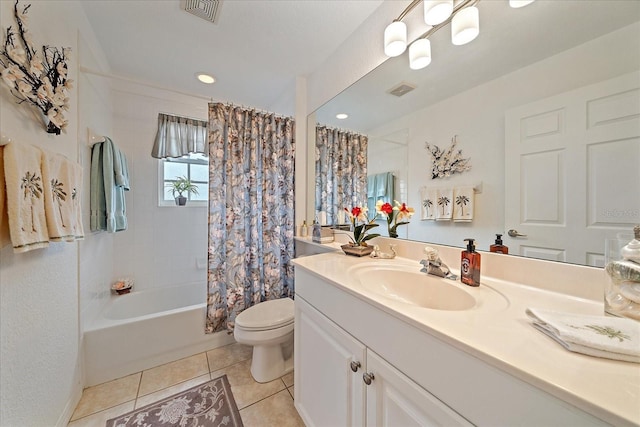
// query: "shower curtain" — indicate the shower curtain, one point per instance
point(341, 173)
point(251, 211)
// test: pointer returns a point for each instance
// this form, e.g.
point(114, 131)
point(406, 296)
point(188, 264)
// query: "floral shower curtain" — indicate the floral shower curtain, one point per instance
point(251, 211)
point(341, 173)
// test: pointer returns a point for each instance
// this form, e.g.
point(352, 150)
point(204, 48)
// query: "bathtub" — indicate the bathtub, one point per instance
point(143, 329)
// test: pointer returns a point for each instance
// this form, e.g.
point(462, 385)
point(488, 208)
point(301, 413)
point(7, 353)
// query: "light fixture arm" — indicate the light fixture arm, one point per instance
point(408, 9)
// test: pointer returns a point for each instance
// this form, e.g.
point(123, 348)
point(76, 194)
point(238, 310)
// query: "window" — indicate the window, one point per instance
point(194, 166)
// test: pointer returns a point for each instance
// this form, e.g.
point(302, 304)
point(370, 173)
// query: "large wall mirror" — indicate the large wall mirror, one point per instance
point(545, 103)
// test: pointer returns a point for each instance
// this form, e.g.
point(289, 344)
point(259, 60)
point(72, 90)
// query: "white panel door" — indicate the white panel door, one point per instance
point(329, 391)
point(573, 171)
point(393, 400)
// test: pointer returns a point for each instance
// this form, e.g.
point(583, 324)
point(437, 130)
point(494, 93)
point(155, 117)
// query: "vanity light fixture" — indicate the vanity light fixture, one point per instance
point(205, 78)
point(465, 26)
point(341, 116)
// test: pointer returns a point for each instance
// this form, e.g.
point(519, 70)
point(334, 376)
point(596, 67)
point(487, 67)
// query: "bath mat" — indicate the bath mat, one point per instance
point(207, 405)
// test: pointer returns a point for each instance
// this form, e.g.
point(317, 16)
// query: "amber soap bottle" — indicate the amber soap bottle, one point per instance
point(498, 247)
point(470, 265)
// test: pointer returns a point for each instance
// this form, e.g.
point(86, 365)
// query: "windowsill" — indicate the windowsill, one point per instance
point(190, 204)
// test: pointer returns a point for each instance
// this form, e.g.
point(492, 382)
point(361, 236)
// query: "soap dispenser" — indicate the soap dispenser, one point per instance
point(498, 247)
point(470, 265)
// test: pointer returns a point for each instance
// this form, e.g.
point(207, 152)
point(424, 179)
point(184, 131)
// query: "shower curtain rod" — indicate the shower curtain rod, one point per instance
point(259, 110)
point(341, 129)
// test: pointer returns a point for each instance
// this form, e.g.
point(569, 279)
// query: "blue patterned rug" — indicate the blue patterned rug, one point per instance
point(207, 405)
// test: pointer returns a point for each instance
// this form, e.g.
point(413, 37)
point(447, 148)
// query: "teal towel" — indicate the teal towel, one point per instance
point(109, 181)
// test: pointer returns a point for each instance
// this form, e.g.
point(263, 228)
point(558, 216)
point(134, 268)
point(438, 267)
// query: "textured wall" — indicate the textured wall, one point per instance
point(40, 363)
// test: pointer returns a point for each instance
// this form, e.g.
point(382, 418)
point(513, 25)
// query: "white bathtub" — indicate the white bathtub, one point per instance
point(143, 329)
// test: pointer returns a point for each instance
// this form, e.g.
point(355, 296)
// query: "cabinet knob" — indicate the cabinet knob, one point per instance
point(367, 377)
point(355, 366)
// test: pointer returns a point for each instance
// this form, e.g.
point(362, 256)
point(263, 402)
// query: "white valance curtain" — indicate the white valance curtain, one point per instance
point(179, 136)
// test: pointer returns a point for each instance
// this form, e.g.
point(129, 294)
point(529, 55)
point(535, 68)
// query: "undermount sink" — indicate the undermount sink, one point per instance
point(414, 288)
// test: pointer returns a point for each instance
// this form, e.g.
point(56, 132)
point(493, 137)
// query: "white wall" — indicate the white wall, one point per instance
point(162, 245)
point(477, 117)
point(40, 362)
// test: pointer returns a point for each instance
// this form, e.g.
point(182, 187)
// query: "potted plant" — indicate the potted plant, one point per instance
point(358, 245)
point(182, 185)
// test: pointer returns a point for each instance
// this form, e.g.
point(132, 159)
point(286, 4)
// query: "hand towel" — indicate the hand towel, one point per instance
point(58, 209)
point(25, 201)
point(382, 181)
point(599, 336)
point(113, 192)
point(109, 180)
point(444, 202)
point(5, 237)
point(76, 200)
point(98, 208)
point(428, 202)
point(463, 204)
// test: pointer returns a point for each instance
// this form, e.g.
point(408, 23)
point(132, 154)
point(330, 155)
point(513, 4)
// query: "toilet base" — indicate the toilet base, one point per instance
point(270, 362)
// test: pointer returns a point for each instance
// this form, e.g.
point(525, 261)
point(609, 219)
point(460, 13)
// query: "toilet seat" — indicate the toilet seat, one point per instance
point(267, 315)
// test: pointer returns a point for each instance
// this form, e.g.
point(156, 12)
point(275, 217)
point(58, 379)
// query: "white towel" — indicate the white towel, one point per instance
point(428, 203)
point(58, 208)
point(600, 336)
point(444, 202)
point(463, 204)
point(25, 201)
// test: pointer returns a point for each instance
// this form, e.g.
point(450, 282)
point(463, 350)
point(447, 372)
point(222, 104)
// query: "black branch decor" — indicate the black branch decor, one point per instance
point(449, 162)
point(39, 78)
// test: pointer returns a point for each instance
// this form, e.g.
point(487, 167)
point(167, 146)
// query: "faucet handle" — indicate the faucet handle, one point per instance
point(431, 253)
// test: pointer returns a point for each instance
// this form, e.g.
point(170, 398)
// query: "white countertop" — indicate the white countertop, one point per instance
point(607, 389)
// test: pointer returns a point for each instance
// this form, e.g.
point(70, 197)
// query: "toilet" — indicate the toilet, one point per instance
point(268, 327)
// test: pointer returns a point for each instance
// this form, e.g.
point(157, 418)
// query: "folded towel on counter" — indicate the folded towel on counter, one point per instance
point(61, 217)
point(25, 201)
point(428, 202)
point(600, 336)
point(444, 201)
point(5, 237)
point(463, 204)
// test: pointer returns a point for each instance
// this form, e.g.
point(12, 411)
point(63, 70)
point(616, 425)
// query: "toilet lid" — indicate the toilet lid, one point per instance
point(267, 315)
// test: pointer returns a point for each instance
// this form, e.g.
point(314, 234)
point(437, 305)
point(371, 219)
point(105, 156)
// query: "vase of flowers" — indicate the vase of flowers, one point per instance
point(396, 215)
point(358, 245)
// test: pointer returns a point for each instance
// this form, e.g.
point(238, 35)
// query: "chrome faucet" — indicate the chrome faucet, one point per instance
point(433, 265)
point(383, 255)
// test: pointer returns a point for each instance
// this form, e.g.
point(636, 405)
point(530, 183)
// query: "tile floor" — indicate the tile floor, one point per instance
point(263, 405)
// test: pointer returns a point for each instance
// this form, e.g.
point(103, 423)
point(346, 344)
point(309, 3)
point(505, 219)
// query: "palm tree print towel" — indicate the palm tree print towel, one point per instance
point(463, 204)
point(58, 178)
point(25, 197)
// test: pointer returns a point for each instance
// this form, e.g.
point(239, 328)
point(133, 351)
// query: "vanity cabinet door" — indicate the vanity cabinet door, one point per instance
point(328, 371)
point(395, 400)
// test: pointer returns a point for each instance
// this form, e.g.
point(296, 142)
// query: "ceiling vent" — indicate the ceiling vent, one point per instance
point(401, 89)
point(205, 9)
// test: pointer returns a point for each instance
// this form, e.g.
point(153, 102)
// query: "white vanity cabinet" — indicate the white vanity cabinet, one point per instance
point(419, 378)
point(339, 382)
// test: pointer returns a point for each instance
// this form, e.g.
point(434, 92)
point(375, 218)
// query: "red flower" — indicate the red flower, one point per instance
point(386, 208)
point(356, 211)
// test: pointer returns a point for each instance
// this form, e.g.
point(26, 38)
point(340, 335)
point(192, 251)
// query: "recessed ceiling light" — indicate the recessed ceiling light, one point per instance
point(341, 116)
point(205, 78)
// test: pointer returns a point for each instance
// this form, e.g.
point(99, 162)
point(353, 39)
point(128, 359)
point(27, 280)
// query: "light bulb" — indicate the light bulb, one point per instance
point(465, 25)
point(437, 11)
point(419, 54)
point(395, 38)
point(519, 3)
